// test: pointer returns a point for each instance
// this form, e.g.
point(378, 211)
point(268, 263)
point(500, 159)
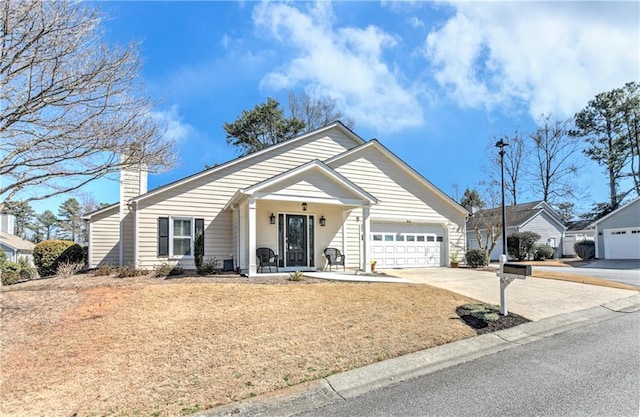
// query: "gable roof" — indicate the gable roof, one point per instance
point(16, 242)
point(619, 209)
point(312, 165)
point(373, 143)
point(517, 215)
point(269, 149)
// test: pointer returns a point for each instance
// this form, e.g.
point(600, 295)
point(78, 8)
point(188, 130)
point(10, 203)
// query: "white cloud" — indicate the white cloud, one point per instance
point(176, 130)
point(553, 56)
point(344, 63)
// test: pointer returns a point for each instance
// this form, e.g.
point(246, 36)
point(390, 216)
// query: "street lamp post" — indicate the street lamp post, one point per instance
point(501, 144)
point(504, 281)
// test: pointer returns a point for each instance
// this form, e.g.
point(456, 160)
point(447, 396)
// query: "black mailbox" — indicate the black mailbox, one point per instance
point(517, 269)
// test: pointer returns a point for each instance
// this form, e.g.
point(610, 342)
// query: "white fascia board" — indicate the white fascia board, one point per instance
point(542, 210)
point(250, 156)
point(314, 165)
point(234, 200)
point(614, 212)
point(99, 211)
point(404, 166)
point(317, 200)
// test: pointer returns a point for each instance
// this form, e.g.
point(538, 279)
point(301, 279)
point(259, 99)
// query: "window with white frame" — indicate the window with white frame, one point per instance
point(177, 236)
point(181, 238)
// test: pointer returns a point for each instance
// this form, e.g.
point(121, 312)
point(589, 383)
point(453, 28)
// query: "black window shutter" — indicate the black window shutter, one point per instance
point(163, 236)
point(199, 230)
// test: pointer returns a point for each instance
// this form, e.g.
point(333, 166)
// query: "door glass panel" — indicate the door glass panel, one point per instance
point(296, 240)
point(281, 240)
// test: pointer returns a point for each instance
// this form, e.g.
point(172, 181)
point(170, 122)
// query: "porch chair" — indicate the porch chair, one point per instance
point(266, 257)
point(334, 257)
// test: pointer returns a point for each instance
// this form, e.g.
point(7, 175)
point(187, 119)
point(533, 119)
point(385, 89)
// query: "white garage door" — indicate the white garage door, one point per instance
point(622, 243)
point(406, 246)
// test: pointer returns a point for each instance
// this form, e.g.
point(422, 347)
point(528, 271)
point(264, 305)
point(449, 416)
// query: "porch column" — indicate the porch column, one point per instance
point(253, 267)
point(366, 245)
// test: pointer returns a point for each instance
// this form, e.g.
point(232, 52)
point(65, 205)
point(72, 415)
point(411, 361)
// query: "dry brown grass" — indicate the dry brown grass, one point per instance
point(583, 279)
point(142, 346)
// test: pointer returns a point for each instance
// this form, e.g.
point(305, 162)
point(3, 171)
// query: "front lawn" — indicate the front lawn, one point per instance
point(160, 347)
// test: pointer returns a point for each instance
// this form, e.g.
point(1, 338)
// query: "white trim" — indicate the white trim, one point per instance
point(191, 237)
point(616, 211)
point(88, 216)
point(253, 265)
point(272, 148)
point(136, 254)
point(400, 163)
point(255, 190)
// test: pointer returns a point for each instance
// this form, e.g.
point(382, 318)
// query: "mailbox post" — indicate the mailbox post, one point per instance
point(508, 272)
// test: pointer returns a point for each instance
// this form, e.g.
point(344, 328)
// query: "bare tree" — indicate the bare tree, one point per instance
point(487, 222)
point(514, 164)
point(316, 111)
point(69, 104)
point(556, 165)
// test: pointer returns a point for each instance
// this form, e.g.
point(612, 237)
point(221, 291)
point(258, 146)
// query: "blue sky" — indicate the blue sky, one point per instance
point(435, 82)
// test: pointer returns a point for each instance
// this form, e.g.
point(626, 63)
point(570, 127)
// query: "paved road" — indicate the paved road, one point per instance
point(625, 276)
point(590, 371)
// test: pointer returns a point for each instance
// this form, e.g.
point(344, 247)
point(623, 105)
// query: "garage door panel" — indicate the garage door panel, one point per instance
point(406, 245)
point(622, 243)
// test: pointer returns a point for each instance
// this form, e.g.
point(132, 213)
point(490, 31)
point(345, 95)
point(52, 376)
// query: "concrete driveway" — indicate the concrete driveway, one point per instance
point(533, 298)
point(625, 271)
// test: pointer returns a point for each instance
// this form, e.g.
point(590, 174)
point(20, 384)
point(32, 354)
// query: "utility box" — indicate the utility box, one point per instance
point(517, 269)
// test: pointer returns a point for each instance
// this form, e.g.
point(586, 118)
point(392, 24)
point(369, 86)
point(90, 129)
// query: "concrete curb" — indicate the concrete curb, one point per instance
point(334, 388)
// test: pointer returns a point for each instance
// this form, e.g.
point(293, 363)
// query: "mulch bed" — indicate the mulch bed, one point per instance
point(482, 318)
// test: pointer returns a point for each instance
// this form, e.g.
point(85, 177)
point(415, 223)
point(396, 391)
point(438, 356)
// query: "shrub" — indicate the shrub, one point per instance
point(543, 252)
point(49, 254)
point(585, 249)
point(128, 271)
point(198, 250)
point(165, 270)
point(210, 267)
point(295, 276)
point(27, 271)
point(477, 258)
point(66, 269)
point(10, 272)
point(105, 270)
point(521, 245)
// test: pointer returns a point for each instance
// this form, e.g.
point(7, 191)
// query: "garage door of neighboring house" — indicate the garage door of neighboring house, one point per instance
point(406, 245)
point(622, 243)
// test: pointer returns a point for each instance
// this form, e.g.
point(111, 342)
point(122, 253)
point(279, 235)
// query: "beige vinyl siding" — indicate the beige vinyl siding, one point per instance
point(401, 196)
point(311, 185)
point(352, 230)
point(105, 238)
point(206, 196)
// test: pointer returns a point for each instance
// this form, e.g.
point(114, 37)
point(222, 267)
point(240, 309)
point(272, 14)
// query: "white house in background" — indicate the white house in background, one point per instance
point(618, 233)
point(536, 216)
point(13, 246)
point(326, 188)
point(577, 231)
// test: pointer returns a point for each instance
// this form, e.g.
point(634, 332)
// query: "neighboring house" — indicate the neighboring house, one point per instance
point(536, 216)
point(326, 188)
point(577, 231)
point(618, 233)
point(13, 246)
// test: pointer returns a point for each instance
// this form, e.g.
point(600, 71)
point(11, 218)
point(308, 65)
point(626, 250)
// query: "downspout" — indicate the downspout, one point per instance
point(136, 251)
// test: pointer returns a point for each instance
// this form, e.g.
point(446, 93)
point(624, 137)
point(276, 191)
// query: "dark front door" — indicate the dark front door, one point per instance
point(296, 243)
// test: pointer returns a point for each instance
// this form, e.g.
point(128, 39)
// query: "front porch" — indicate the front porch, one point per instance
point(297, 215)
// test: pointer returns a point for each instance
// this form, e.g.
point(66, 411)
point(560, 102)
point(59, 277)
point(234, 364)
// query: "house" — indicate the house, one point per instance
point(618, 233)
point(13, 246)
point(536, 216)
point(577, 231)
point(325, 188)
